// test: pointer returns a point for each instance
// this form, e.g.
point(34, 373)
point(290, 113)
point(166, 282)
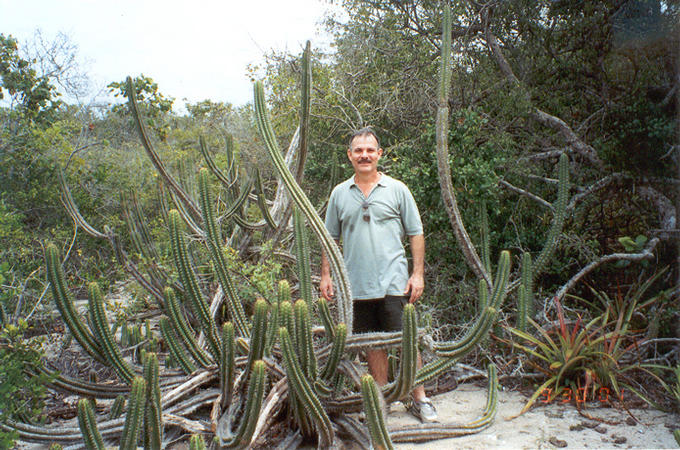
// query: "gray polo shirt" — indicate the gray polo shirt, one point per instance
point(371, 229)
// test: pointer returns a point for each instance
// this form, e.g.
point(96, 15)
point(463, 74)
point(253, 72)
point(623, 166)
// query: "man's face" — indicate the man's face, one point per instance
point(364, 154)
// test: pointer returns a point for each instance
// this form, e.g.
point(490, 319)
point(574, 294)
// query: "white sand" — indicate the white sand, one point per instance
point(536, 428)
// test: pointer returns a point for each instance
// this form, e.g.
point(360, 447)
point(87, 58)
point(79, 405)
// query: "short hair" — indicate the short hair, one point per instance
point(366, 131)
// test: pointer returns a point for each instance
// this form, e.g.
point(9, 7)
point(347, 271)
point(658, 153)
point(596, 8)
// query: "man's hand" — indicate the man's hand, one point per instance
point(415, 285)
point(326, 288)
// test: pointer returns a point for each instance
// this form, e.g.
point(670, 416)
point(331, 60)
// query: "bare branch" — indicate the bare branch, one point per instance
point(528, 194)
point(646, 253)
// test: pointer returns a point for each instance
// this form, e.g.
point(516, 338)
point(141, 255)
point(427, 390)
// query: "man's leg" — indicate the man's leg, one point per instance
point(377, 365)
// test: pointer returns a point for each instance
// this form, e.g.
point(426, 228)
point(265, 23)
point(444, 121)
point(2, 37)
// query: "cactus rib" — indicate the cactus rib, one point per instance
point(88, 426)
point(374, 416)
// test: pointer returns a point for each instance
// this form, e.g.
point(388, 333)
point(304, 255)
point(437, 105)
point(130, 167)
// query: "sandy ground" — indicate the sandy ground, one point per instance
point(548, 426)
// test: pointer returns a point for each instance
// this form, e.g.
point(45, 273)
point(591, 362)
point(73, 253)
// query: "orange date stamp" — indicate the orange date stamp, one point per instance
point(568, 395)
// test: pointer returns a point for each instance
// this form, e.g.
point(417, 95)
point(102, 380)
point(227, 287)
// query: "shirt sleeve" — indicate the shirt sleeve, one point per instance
point(332, 221)
point(410, 217)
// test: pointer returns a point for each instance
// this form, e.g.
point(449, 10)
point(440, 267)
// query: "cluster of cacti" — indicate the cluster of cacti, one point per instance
point(247, 370)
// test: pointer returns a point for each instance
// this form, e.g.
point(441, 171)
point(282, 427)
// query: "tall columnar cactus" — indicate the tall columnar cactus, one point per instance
point(88, 426)
point(332, 251)
point(374, 416)
point(175, 349)
point(104, 337)
point(258, 336)
point(214, 240)
point(117, 407)
point(409, 355)
point(525, 293)
point(305, 346)
point(560, 209)
point(190, 284)
point(135, 415)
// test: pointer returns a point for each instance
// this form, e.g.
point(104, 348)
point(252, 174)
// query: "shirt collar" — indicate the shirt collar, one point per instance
point(381, 182)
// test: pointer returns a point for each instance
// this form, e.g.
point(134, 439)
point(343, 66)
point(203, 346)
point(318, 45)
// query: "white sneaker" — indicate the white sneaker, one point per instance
point(423, 409)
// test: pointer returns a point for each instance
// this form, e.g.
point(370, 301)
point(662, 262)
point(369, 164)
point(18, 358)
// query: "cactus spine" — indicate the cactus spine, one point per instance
point(104, 336)
point(135, 415)
point(374, 416)
point(88, 425)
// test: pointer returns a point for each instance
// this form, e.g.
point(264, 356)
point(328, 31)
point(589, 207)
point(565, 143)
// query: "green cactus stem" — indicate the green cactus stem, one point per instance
point(326, 319)
point(190, 283)
point(374, 416)
point(272, 327)
point(64, 302)
point(304, 262)
point(153, 418)
point(337, 350)
point(485, 320)
point(214, 240)
point(104, 337)
point(226, 366)
point(409, 355)
point(182, 328)
point(485, 244)
point(117, 407)
point(252, 410)
point(304, 392)
point(177, 352)
point(305, 346)
point(432, 431)
point(560, 209)
point(88, 426)
point(135, 415)
point(329, 246)
point(197, 442)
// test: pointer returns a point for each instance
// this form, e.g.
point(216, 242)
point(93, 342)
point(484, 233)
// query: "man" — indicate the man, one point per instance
point(372, 212)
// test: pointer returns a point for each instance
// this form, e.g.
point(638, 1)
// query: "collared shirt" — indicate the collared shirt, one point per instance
point(372, 229)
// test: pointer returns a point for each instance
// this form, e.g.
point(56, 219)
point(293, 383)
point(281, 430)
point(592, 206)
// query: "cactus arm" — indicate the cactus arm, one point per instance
point(337, 350)
point(262, 201)
point(72, 209)
point(214, 240)
point(305, 344)
point(374, 416)
point(181, 327)
point(153, 418)
point(304, 263)
point(64, 302)
point(305, 103)
point(259, 334)
point(409, 354)
point(329, 246)
point(134, 416)
point(304, 391)
point(485, 244)
point(211, 163)
point(444, 170)
point(485, 320)
point(155, 159)
point(117, 407)
point(431, 431)
point(104, 337)
point(190, 284)
point(88, 426)
point(226, 366)
point(254, 400)
point(558, 219)
point(326, 319)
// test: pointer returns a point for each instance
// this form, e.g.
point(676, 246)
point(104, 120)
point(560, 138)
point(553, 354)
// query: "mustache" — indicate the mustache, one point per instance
point(365, 160)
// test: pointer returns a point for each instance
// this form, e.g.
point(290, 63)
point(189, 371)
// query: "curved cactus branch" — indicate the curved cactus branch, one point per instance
point(444, 170)
point(182, 328)
point(334, 257)
point(102, 331)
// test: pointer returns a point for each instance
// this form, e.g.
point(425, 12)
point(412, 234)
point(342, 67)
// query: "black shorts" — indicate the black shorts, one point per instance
point(379, 314)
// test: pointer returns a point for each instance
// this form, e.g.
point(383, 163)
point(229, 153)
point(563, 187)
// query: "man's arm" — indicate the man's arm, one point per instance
point(326, 285)
point(416, 284)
